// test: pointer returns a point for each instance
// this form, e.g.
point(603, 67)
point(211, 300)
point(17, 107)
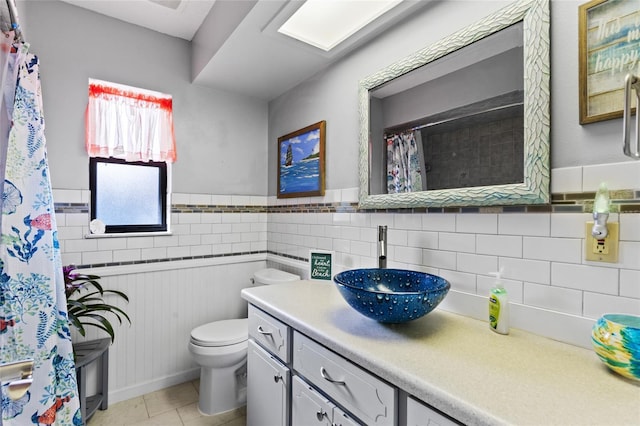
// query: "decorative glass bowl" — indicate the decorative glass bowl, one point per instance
point(391, 295)
point(616, 340)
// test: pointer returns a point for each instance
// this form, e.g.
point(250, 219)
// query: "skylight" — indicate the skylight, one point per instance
point(327, 23)
point(171, 4)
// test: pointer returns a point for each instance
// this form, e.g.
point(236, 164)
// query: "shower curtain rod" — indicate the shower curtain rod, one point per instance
point(391, 130)
point(13, 15)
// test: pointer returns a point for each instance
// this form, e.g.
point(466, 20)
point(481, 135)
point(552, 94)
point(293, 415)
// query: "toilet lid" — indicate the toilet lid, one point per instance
point(221, 333)
point(271, 276)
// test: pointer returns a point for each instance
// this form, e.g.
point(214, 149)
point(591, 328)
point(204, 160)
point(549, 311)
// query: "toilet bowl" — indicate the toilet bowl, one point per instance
point(220, 349)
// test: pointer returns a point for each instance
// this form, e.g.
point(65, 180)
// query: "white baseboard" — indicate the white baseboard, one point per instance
point(140, 389)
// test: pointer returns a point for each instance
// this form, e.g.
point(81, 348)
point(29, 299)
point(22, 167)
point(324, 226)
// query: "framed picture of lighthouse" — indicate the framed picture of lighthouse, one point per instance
point(301, 162)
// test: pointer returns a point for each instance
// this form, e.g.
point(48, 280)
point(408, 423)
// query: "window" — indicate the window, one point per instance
point(130, 142)
point(128, 196)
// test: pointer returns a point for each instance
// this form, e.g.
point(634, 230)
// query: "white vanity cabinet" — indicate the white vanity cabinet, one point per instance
point(309, 407)
point(268, 376)
point(294, 380)
point(431, 361)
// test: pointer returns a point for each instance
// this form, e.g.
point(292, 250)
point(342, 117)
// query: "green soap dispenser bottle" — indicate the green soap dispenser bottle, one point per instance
point(499, 306)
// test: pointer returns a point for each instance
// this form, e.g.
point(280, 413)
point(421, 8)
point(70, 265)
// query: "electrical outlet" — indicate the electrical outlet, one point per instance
point(604, 250)
point(601, 246)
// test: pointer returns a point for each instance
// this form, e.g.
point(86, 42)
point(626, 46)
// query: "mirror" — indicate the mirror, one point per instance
point(472, 109)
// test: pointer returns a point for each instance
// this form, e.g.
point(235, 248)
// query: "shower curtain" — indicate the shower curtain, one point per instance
point(405, 163)
point(33, 312)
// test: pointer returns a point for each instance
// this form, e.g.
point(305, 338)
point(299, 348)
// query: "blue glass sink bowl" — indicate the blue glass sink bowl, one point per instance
point(391, 295)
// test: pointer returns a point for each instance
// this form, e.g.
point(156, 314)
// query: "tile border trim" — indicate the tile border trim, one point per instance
point(622, 201)
point(180, 259)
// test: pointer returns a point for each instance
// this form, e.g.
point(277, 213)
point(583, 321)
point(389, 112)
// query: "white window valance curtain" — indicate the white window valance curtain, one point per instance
point(129, 123)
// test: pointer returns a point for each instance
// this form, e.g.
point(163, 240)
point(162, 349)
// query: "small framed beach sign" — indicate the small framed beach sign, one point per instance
point(321, 265)
point(301, 162)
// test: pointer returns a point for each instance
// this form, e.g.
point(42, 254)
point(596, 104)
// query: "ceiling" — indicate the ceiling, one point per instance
point(235, 44)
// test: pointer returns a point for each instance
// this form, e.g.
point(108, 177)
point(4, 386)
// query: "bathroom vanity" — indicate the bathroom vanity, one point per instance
point(322, 362)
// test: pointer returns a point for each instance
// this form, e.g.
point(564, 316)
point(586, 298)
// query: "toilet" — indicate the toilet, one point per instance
point(220, 349)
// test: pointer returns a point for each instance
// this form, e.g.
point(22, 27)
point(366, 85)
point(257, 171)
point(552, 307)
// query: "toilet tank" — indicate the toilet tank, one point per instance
point(271, 276)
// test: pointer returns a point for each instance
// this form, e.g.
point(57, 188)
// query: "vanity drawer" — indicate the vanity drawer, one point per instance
point(308, 407)
point(364, 395)
point(420, 414)
point(270, 333)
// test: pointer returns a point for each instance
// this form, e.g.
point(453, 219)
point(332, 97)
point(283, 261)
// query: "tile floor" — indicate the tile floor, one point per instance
point(173, 406)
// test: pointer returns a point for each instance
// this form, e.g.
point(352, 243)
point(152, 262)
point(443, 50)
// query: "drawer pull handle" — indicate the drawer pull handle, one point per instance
point(321, 415)
point(326, 376)
point(263, 331)
point(277, 377)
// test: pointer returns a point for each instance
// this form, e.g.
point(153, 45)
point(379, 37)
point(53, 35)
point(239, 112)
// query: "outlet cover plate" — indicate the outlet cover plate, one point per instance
point(611, 243)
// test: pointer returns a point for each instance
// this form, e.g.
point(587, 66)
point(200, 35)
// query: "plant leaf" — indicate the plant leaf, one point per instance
point(87, 307)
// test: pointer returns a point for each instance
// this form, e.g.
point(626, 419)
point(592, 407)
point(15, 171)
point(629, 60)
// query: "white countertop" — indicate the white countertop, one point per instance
point(459, 366)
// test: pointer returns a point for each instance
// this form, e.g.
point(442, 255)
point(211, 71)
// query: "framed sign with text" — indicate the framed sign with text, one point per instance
point(321, 265)
point(609, 49)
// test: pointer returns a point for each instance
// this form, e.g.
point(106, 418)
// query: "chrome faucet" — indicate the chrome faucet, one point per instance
point(382, 246)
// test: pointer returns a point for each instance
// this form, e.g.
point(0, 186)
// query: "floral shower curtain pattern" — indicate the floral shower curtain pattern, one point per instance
point(33, 312)
point(405, 163)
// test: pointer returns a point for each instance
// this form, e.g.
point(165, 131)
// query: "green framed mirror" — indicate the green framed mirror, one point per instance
point(423, 94)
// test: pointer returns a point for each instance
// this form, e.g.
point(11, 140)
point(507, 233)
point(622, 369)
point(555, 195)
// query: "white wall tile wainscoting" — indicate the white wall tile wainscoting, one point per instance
point(166, 301)
point(195, 275)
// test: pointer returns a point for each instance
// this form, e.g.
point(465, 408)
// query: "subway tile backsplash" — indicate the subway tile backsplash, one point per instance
point(541, 253)
point(621, 176)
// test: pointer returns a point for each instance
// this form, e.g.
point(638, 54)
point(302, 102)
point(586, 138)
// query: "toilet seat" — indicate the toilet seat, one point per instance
point(221, 333)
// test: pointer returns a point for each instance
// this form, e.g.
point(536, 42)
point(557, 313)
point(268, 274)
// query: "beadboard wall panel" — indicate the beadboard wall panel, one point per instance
point(164, 307)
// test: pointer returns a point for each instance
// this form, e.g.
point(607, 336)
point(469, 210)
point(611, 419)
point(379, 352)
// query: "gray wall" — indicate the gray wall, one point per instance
point(332, 94)
point(220, 136)
point(223, 138)
point(478, 82)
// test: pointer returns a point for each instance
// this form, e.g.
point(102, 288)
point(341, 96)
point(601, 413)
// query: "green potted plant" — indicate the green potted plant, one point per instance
point(89, 308)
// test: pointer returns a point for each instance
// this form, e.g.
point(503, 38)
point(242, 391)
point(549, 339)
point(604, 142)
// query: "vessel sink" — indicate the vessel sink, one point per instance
point(391, 295)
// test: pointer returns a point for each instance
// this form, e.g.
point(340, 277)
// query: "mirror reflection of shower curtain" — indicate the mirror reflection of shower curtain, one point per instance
point(405, 162)
point(33, 308)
